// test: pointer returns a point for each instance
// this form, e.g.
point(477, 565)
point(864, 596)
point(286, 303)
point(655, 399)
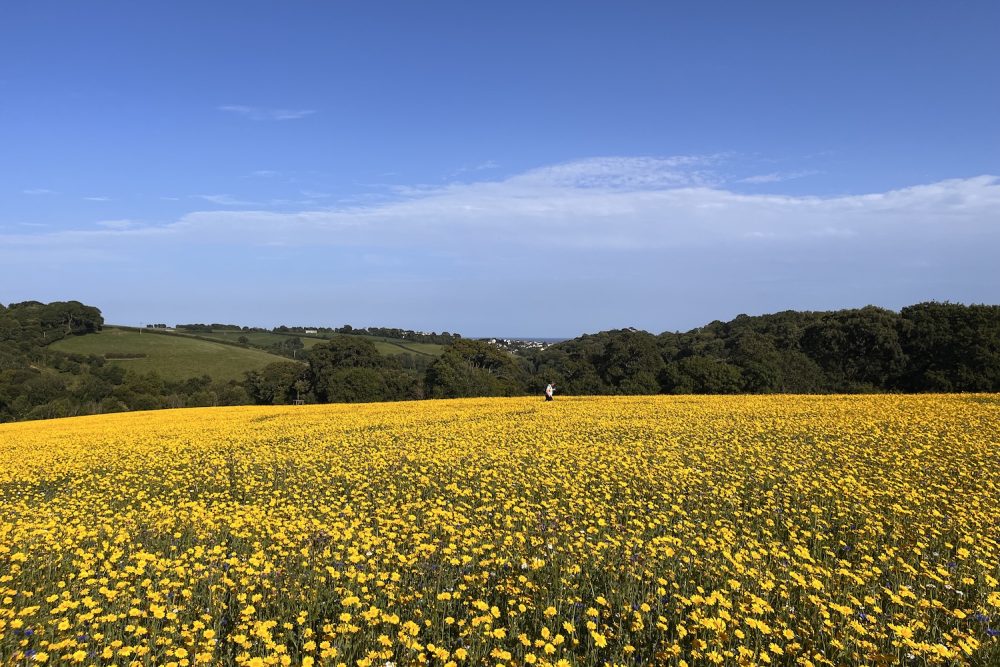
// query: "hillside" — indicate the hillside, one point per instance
point(172, 357)
point(386, 346)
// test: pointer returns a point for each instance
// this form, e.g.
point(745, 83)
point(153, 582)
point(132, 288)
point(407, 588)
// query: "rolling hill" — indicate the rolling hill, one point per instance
point(387, 346)
point(219, 354)
point(173, 357)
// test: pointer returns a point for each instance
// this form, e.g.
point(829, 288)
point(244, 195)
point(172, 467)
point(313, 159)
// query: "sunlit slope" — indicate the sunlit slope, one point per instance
point(386, 346)
point(738, 530)
point(173, 357)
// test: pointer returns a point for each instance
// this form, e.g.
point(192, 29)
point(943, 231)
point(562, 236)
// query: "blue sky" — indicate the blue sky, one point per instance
point(497, 168)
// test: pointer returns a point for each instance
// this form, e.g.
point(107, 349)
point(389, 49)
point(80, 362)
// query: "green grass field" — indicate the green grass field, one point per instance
point(260, 338)
point(178, 356)
point(387, 346)
point(173, 357)
point(393, 346)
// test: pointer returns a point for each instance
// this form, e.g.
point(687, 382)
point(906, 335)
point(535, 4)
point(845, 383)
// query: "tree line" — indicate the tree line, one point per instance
point(927, 347)
point(349, 369)
point(443, 338)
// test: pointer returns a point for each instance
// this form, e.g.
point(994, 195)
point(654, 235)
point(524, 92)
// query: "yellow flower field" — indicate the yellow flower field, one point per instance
point(587, 531)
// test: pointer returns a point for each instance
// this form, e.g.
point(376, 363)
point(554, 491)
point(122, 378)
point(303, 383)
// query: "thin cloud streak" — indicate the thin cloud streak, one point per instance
point(228, 200)
point(626, 173)
point(118, 224)
point(260, 113)
point(482, 166)
point(777, 177)
point(623, 203)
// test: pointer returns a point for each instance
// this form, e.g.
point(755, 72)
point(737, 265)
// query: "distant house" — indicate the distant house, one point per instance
point(311, 331)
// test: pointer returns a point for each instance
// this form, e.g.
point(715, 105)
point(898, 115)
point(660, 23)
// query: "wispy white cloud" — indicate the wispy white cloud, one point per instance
point(261, 113)
point(228, 200)
point(625, 227)
point(39, 191)
point(118, 224)
point(264, 173)
point(482, 166)
point(97, 198)
point(625, 173)
point(308, 198)
point(607, 203)
point(619, 202)
point(488, 164)
point(777, 176)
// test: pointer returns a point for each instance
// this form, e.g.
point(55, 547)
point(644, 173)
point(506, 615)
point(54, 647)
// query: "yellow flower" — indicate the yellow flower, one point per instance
point(464, 518)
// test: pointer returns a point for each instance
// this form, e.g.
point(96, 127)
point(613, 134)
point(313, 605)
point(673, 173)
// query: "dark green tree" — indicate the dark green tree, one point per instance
point(702, 375)
point(951, 347)
point(349, 369)
point(474, 368)
point(274, 384)
point(859, 349)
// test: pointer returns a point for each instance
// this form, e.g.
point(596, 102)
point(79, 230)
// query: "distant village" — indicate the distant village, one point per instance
point(518, 345)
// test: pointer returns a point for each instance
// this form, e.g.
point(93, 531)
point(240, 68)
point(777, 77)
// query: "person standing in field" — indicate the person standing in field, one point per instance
point(549, 390)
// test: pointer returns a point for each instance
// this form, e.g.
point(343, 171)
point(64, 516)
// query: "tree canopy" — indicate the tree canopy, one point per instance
point(927, 347)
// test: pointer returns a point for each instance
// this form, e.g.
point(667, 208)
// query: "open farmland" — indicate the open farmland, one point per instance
point(642, 530)
point(386, 346)
point(258, 338)
point(171, 356)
